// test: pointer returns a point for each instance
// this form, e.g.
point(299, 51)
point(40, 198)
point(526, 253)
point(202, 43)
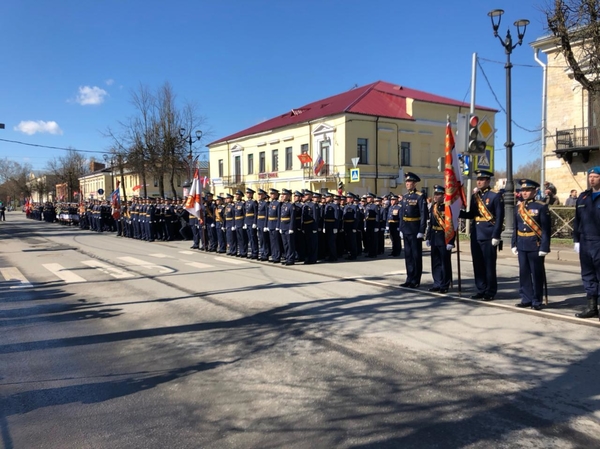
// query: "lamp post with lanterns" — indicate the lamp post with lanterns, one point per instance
point(187, 137)
point(507, 44)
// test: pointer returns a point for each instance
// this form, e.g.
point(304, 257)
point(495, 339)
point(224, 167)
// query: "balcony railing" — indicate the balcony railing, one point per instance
point(233, 181)
point(328, 171)
point(576, 139)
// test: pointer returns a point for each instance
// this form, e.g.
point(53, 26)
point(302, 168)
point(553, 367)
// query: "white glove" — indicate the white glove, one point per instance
point(233, 228)
point(314, 232)
point(276, 229)
point(514, 250)
point(542, 253)
point(427, 243)
point(401, 235)
point(335, 231)
point(449, 247)
point(354, 230)
point(323, 230)
point(291, 231)
point(376, 230)
point(576, 247)
point(224, 229)
point(280, 231)
point(387, 229)
point(212, 225)
point(420, 235)
point(244, 227)
point(253, 226)
point(495, 242)
point(265, 229)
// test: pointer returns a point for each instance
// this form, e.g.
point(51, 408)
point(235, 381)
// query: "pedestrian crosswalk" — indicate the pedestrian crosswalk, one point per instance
point(126, 267)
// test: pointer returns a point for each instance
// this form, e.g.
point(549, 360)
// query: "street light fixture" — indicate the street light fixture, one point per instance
point(190, 140)
point(507, 44)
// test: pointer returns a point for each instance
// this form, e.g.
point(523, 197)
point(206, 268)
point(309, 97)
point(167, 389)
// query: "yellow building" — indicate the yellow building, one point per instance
point(570, 139)
point(387, 129)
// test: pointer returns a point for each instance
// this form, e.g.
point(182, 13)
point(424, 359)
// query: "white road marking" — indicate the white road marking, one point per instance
point(142, 263)
point(161, 256)
point(231, 261)
point(61, 272)
point(187, 252)
point(390, 273)
point(198, 265)
point(108, 269)
point(13, 274)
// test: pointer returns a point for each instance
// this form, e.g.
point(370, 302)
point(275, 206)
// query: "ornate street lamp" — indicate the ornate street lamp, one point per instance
point(190, 140)
point(507, 44)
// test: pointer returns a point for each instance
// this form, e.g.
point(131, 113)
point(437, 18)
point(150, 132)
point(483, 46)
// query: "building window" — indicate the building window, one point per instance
point(250, 164)
point(405, 154)
point(288, 158)
point(220, 168)
point(275, 160)
point(261, 162)
point(304, 149)
point(361, 151)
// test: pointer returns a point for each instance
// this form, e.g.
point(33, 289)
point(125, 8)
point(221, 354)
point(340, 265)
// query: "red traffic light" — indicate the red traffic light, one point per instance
point(474, 121)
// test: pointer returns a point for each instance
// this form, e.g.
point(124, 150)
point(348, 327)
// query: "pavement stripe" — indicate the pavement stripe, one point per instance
point(231, 261)
point(187, 252)
point(59, 271)
point(161, 256)
point(199, 265)
point(115, 272)
point(12, 274)
point(142, 263)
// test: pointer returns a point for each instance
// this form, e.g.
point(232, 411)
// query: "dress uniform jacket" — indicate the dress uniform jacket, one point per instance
point(273, 226)
point(586, 232)
point(441, 265)
point(286, 222)
point(413, 222)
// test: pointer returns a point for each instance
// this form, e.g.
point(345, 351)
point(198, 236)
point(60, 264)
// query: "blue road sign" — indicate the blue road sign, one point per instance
point(354, 175)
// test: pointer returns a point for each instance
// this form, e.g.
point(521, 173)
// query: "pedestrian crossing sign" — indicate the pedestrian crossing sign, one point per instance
point(484, 161)
point(354, 174)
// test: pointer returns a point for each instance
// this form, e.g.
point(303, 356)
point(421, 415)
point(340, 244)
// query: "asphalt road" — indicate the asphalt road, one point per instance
point(112, 343)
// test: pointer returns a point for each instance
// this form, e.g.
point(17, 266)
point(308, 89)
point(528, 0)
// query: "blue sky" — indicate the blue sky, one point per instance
point(69, 66)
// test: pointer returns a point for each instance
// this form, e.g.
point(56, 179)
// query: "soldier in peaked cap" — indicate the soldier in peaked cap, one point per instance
point(262, 231)
point(393, 223)
point(310, 220)
point(586, 236)
point(231, 234)
point(531, 243)
point(371, 229)
point(412, 230)
point(331, 225)
point(273, 226)
point(350, 225)
point(487, 209)
point(238, 224)
point(250, 223)
point(441, 252)
point(220, 224)
point(299, 240)
point(286, 227)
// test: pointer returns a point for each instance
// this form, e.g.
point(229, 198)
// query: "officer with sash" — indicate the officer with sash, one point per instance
point(412, 228)
point(586, 236)
point(435, 237)
point(487, 209)
point(220, 224)
point(286, 227)
point(531, 243)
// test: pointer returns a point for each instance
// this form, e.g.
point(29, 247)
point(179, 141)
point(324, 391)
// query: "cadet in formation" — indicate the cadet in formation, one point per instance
point(441, 251)
point(531, 242)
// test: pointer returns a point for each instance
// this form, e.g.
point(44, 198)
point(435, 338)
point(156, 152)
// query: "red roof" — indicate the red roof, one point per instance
point(379, 99)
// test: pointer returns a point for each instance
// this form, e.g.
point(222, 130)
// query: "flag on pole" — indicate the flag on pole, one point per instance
point(193, 203)
point(319, 164)
point(454, 198)
point(115, 202)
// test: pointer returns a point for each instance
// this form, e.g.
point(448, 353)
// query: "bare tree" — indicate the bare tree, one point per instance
point(68, 169)
point(13, 180)
point(576, 25)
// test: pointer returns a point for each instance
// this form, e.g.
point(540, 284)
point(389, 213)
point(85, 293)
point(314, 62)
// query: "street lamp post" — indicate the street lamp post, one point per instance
point(507, 44)
point(190, 140)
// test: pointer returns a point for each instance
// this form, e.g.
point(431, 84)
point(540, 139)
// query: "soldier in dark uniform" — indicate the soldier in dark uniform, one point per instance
point(262, 231)
point(531, 243)
point(435, 237)
point(331, 225)
point(170, 220)
point(310, 218)
point(412, 229)
point(586, 236)
point(299, 239)
point(272, 226)
point(159, 216)
point(230, 234)
point(350, 219)
point(340, 243)
point(286, 227)
point(210, 224)
point(360, 229)
point(371, 229)
point(238, 224)
point(487, 208)
point(250, 219)
point(393, 224)
point(220, 225)
point(383, 205)
point(321, 242)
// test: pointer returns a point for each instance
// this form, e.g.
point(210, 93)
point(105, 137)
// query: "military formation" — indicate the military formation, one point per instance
point(285, 227)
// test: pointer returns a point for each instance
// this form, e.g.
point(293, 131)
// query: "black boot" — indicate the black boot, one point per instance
point(592, 309)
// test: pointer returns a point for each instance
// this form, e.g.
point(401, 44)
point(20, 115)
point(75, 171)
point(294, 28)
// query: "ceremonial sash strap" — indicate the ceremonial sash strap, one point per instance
point(529, 220)
point(439, 217)
point(483, 210)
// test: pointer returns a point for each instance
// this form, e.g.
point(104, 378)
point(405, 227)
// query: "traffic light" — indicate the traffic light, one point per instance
point(475, 144)
point(441, 163)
